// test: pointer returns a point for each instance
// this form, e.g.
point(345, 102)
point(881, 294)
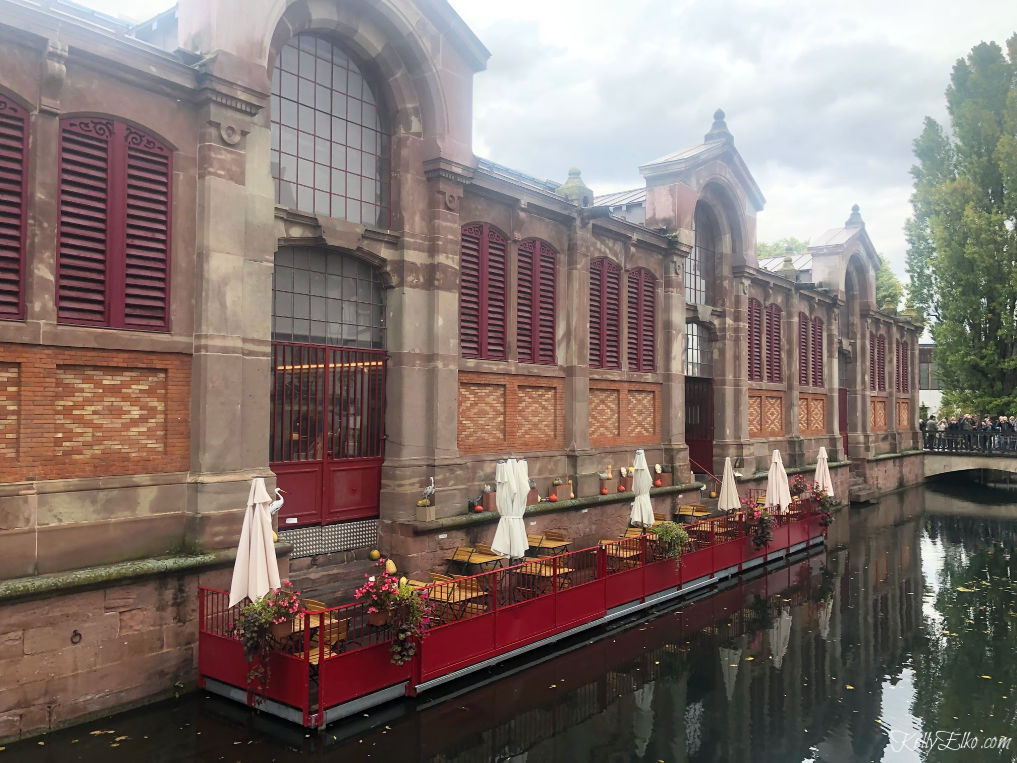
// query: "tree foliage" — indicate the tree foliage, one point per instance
point(962, 255)
point(889, 289)
point(779, 248)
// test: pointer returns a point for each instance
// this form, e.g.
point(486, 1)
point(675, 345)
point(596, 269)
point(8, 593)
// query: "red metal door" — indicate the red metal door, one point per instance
point(327, 431)
point(842, 416)
point(699, 421)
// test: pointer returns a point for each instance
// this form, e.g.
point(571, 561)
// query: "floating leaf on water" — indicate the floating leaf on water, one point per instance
point(749, 659)
point(848, 686)
point(962, 589)
point(986, 676)
point(120, 739)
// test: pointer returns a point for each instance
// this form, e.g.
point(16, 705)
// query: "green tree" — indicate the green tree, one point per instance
point(889, 289)
point(962, 257)
point(779, 248)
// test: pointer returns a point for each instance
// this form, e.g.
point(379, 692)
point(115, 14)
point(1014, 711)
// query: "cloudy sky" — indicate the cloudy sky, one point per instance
point(823, 98)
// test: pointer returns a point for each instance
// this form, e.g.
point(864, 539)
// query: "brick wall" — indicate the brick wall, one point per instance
point(624, 413)
point(499, 412)
point(766, 414)
point(877, 414)
point(812, 414)
point(69, 412)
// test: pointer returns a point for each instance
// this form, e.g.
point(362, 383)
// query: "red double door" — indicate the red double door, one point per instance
point(327, 432)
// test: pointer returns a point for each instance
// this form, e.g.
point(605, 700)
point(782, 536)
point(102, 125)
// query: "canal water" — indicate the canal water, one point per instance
point(895, 643)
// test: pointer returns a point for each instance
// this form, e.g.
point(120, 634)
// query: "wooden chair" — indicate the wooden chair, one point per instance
point(533, 541)
point(633, 532)
point(658, 517)
point(556, 535)
point(477, 603)
point(483, 548)
point(437, 577)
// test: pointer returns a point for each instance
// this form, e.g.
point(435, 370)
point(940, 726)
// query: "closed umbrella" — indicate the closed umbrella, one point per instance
point(510, 537)
point(823, 472)
point(728, 500)
point(730, 658)
point(642, 509)
point(825, 611)
point(642, 718)
point(256, 570)
point(780, 637)
point(777, 490)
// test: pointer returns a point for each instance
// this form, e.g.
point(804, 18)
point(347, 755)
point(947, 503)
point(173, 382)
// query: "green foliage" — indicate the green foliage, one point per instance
point(254, 626)
point(779, 248)
point(410, 614)
point(671, 539)
point(889, 289)
point(962, 256)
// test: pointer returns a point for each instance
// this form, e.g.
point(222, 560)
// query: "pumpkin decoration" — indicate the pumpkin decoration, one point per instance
point(603, 491)
point(713, 494)
point(477, 508)
point(657, 482)
point(621, 488)
point(375, 555)
point(553, 497)
point(390, 567)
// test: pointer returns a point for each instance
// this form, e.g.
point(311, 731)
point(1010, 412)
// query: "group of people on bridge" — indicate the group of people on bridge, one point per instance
point(967, 433)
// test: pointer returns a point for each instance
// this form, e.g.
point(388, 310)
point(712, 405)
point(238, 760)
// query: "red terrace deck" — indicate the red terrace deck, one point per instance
point(515, 613)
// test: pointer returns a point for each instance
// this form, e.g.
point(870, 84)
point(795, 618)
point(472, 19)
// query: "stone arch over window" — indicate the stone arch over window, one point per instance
point(330, 151)
point(699, 273)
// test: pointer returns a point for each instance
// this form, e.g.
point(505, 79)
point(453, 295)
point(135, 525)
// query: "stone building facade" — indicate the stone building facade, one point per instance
point(251, 238)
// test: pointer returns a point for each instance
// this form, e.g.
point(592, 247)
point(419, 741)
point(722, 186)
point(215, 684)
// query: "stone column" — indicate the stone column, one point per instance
point(672, 356)
point(576, 357)
point(730, 377)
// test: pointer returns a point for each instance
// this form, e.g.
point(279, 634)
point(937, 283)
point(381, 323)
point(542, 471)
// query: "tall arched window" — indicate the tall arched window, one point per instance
point(699, 271)
point(535, 302)
point(482, 291)
point(605, 314)
point(113, 241)
point(755, 340)
point(13, 184)
point(641, 325)
point(804, 326)
point(817, 352)
point(330, 149)
point(774, 369)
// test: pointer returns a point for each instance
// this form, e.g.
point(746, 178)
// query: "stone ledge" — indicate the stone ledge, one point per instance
point(902, 454)
point(545, 507)
point(793, 470)
point(59, 583)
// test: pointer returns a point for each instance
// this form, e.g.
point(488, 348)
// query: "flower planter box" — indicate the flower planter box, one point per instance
point(377, 619)
point(666, 479)
point(606, 485)
point(490, 502)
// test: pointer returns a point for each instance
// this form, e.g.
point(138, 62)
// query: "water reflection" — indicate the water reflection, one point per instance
point(903, 626)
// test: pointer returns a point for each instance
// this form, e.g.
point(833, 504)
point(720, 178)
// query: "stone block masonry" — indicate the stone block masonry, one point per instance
point(69, 412)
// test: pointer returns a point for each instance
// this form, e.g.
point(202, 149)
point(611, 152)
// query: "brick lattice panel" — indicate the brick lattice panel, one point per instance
point(605, 414)
point(770, 416)
point(903, 415)
point(503, 412)
point(10, 406)
point(878, 415)
point(812, 414)
point(755, 409)
point(103, 410)
point(642, 414)
point(88, 413)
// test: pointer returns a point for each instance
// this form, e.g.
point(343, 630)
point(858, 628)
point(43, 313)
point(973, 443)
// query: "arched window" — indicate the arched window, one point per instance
point(881, 363)
point(482, 291)
point(699, 271)
point(605, 314)
point(774, 370)
point(698, 352)
point(535, 302)
point(13, 185)
point(113, 249)
point(804, 325)
point(330, 150)
point(641, 299)
point(817, 352)
point(755, 340)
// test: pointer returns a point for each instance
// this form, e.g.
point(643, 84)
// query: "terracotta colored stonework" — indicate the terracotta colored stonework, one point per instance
point(499, 412)
point(624, 413)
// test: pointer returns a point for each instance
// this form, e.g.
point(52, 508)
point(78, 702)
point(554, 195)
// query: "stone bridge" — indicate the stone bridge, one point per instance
point(940, 462)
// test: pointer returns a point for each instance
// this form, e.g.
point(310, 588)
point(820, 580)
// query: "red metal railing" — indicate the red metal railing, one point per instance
point(474, 618)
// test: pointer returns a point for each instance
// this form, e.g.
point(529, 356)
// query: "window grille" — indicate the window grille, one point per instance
point(641, 313)
point(817, 352)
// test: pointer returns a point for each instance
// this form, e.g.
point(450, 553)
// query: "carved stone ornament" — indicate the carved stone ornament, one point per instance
point(451, 201)
point(230, 134)
point(54, 74)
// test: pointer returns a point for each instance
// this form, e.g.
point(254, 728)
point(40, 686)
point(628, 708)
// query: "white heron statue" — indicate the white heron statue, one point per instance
point(277, 504)
point(429, 490)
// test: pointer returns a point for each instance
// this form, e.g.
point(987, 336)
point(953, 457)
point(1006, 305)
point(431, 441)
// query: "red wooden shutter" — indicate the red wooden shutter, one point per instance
point(497, 297)
point(774, 372)
point(13, 184)
point(632, 322)
point(84, 248)
point(535, 303)
point(803, 349)
point(611, 315)
point(526, 312)
point(881, 362)
point(469, 290)
point(648, 322)
point(872, 362)
point(597, 313)
point(905, 383)
point(755, 340)
point(147, 232)
point(817, 352)
point(896, 365)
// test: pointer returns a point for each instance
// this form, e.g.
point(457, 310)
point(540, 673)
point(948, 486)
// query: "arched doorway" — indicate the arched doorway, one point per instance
point(328, 386)
point(699, 432)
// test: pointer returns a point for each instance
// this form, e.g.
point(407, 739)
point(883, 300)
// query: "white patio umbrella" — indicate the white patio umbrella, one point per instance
point(780, 637)
point(510, 537)
point(823, 471)
point(642, 509)
point(728, 500)
point(256, 570)
point(777, 489)
point(730, 659)
point(642, 718)
point(825, 611)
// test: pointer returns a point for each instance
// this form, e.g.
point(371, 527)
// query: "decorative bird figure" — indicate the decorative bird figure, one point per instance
point(278, 503)
point(429, 490)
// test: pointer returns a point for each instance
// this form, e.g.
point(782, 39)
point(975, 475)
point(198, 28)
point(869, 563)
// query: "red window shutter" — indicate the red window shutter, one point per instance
point(817, 352)
point(774, 372)
point(803, 349)
point(469, 290)
point(611, 315)
point(13, 184)
point(147, 232)
point(755, 340)
point(497, 283)
point(872, 362)
point(896, 365)
point(84, 250)
point(535, 303)
point(648, 322)
point(597, 313)
point(881, 362)
point(633, 328)
point(905, 359)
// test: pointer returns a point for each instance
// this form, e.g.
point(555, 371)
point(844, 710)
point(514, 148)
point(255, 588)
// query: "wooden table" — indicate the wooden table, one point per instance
point(545, 545)
point(453, 600)
point(621, 554)
point(694, 510)
point(466, 557)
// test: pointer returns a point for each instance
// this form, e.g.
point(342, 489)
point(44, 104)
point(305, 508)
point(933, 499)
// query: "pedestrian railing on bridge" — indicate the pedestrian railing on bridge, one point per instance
point(985, 443)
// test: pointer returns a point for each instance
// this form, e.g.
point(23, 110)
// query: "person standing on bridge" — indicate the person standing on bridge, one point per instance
point(931, 429)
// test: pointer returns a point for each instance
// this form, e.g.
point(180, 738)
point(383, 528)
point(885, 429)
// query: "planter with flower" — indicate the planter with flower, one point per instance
point(378, 592)
point(262, 626)
point(410, 615)
point(823, 504)
point(760, 529)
